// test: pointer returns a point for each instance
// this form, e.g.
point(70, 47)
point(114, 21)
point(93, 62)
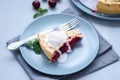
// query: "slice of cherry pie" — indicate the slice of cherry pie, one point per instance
point(55, 43)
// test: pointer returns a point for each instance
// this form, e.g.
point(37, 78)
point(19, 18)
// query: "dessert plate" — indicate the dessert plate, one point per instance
point(88, 7)
point(82, 55)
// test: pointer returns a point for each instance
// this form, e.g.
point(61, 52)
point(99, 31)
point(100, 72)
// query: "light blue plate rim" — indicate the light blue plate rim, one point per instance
point(64, 73)
point(88, 11)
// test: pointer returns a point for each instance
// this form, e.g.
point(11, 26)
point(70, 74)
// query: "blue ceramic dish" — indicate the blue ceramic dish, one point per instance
point(81, 56)
point(90, 12)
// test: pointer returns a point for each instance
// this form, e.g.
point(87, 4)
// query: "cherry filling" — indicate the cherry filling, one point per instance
point(55, 57)
point(73, 41)
point(64, 47)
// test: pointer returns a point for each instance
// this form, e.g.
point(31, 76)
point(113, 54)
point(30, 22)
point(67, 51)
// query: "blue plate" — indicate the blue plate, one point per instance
point(81, 56)
point(89, 11)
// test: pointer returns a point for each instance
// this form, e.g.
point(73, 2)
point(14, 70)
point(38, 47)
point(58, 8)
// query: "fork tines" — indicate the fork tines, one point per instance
point(69, 25)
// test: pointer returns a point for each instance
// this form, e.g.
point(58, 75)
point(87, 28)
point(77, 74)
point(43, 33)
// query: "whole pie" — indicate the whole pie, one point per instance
point(109, 6)
point(55, 43)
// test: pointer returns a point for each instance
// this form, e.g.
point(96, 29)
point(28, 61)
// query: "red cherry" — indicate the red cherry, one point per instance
point(36, 4)
point(52, 3)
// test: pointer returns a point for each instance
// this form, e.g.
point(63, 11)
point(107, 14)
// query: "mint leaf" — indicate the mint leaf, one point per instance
point(36, 49)
point(30, 43)
point(40, 10)
point(28, 46)
point(35, 15)
point(44, 10)
point(35, 42)
point(34, 45)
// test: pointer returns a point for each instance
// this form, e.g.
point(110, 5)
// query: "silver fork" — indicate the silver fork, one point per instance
point(66, 26)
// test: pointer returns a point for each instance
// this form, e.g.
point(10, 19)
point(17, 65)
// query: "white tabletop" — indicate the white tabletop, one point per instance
point(15, 15)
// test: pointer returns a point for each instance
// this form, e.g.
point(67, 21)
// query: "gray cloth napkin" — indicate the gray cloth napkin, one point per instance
point(106, 56)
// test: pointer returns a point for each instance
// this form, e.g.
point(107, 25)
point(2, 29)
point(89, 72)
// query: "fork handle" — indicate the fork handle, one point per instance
point(17, 44)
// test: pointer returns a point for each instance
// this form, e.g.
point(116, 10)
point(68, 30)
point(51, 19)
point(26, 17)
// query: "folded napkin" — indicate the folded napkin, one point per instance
point(106, 56)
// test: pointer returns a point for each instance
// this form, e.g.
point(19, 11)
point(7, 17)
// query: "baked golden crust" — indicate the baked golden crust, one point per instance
point(49, 51)
point(109, 6)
